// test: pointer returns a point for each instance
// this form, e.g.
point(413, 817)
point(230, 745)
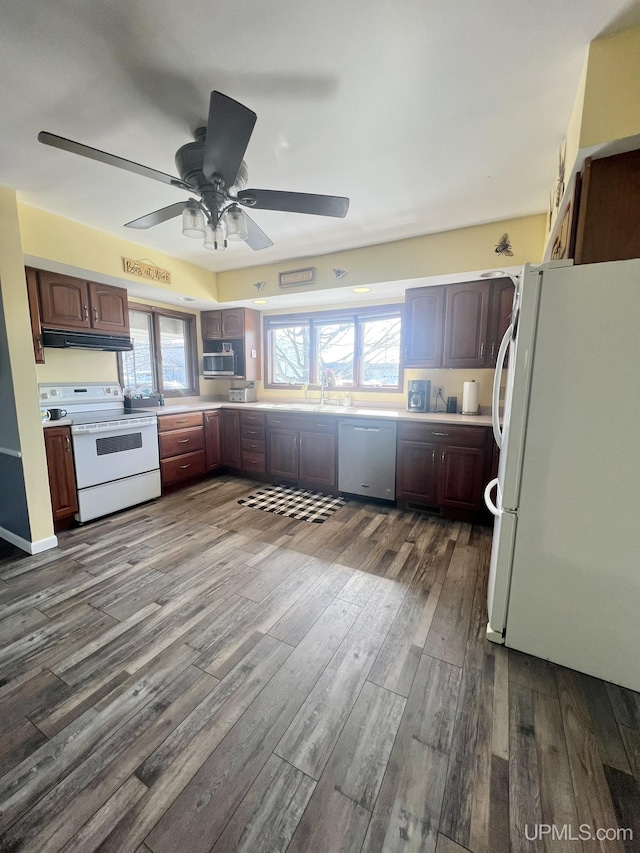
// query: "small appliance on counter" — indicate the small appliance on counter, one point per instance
point(243, 395)
point(419, 395)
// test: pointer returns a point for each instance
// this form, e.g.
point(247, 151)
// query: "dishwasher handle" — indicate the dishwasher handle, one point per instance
point(365, 429)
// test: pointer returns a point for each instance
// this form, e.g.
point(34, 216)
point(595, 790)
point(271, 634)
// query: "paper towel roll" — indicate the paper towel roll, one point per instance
point(470, 395)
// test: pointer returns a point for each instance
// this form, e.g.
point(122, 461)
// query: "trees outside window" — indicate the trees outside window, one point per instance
point(354, 349)
point(164, 352)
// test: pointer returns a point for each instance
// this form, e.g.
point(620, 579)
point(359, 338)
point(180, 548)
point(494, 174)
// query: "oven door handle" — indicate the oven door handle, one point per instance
point(133, 424)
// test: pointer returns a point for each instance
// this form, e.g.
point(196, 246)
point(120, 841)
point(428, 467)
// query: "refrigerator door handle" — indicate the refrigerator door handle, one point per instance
point(497, 376)
point(493, 509)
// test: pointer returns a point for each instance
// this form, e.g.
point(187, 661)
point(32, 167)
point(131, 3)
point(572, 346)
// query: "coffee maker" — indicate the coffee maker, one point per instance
point(419, 395)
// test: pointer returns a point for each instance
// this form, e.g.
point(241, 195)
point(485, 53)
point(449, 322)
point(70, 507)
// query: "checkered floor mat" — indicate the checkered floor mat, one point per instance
point(295, 503)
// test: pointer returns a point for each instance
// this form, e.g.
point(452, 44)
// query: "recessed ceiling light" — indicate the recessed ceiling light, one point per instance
point(361, 289)
point(186, 299)
point(259, 301)
point(493, 274)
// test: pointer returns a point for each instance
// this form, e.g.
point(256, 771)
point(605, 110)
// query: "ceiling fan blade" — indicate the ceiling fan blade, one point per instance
point(229, 130)
point(321, 205)
point(257, 239)
point(157, 216)
point(109, 159)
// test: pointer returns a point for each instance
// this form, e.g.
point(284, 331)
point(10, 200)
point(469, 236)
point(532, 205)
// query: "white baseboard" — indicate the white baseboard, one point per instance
point(25, 545)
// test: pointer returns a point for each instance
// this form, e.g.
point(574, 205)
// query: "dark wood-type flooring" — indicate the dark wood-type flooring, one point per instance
point(194, 676)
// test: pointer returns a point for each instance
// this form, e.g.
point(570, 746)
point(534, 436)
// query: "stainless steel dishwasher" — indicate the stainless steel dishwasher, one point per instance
point(367, 458)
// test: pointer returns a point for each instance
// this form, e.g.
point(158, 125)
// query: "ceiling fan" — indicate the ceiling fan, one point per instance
point(213, 169)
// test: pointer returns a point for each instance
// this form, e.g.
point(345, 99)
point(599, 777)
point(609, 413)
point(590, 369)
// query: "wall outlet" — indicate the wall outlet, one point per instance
point(437, 391)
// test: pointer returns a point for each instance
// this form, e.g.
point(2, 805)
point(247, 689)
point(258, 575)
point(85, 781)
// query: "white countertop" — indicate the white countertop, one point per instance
point(364, 411)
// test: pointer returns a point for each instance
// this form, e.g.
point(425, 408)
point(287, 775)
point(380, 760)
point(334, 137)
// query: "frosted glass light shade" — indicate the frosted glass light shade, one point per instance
point(236, 224)
point(193, 224)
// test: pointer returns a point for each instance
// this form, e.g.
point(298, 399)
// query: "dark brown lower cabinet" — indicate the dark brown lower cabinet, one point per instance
point(317, 460)
point(416, 471)
point(212, 440)
point(461, 477)
point(303, 449)
point(62, 475)
point(443, 468)
point(282, 453)
point(230, 438)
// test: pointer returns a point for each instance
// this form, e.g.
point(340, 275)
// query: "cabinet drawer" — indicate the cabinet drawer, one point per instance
point(316, 424)
point(182, 467)
point(181, 441)
point(255, 433)
point(253, 462)
point(443, 434)
point(283, 421)
point(251, 418)
point(249, 444)
point(186, 419)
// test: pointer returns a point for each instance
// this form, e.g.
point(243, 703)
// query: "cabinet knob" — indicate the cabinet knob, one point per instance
point(442, 458)
point(433, 457)
point(86, 312)
point(482, 350)
point(68, 440)
point(95, 313)
point(183, 441)
point(441, 433)
point(182, 467)
point(493, 349)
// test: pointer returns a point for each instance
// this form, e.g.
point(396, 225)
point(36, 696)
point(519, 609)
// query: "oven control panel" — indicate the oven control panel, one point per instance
point(87, 392)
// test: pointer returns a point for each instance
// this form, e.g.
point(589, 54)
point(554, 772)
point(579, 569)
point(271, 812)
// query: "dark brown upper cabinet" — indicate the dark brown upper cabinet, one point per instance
point(609, 210)
point(241, 328)
point(223, 324)
point(500, 310)
point(423, 326)
point(466, 324)
point(73, 304)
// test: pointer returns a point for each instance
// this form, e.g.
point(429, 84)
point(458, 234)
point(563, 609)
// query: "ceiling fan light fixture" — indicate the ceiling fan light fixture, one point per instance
point(236, 224)
point(193, 224)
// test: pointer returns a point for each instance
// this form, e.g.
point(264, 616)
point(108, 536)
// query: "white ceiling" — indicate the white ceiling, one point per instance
point(428, 115)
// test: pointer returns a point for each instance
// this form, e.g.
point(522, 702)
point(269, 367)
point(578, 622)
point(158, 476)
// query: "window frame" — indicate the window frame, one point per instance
point(315, 318)
point(191, 344)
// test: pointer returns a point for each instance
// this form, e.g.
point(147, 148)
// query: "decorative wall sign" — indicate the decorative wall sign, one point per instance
point(504, 247)
point(339, 273)
point(294, 278)
point(149, 271)
point(562, 154)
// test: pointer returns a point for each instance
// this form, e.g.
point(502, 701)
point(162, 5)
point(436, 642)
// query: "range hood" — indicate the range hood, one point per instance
point(85, 340)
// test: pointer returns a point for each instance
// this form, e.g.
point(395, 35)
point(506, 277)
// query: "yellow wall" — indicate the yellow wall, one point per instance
point(53, 238)
point(433, 254)
point(19, 340)
point(612, 93)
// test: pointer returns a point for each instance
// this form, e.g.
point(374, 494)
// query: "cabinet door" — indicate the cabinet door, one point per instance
point(34, 311)
point(211, 322)
point(465, 325)
point(230, 444)
point(282, 453)
point(62, 475)
point(423, 325)
point(233, 323)
point(416, 471)
point(499, 318)
point(461, 477)
point(318, 460)
point(64, 301)
point(212, 440)
point(109, 310)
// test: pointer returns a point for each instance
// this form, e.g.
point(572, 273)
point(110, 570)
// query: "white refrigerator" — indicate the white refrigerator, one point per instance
point(564, 581)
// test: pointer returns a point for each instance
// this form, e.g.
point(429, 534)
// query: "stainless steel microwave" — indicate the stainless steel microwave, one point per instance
point(219, 364)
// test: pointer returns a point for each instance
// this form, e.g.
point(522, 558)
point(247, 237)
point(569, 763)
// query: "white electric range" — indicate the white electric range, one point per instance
point(115, 449)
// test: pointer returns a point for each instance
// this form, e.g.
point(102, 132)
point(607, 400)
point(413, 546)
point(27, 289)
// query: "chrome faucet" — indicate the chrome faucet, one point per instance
point(323, 384)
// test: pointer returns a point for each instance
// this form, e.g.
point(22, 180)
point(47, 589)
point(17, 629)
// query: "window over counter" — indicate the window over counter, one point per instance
point(351, 349)
point(164, 351)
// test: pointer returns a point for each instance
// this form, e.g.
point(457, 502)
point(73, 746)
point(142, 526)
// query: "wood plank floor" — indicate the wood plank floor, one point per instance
point(194, 676)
